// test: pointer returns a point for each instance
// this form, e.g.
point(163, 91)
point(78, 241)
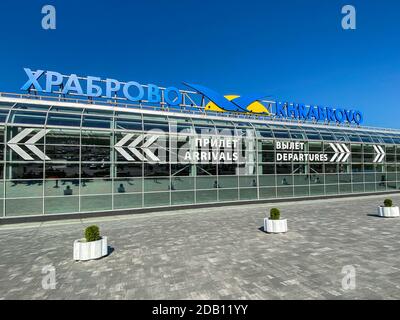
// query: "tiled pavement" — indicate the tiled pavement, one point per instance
point(212, 253)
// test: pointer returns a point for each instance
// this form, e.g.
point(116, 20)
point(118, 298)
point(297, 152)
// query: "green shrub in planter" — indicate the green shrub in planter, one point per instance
point(274, 214)
point(92, 233)
point(388, 203)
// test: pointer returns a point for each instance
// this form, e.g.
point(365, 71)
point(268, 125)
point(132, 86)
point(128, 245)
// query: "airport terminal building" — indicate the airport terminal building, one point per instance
point(65, 151)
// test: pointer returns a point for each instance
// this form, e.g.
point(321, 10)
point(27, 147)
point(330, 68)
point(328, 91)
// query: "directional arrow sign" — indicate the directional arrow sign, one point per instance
point(380, 154)
point(30, 144)
point(347, 153)
point(342, 152)
point(145, 149)
point(119, 147)
point(336, 152)
point(133, 147)
point(13, 144)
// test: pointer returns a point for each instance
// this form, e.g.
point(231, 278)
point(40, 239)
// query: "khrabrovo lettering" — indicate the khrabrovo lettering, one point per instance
point(97, 87)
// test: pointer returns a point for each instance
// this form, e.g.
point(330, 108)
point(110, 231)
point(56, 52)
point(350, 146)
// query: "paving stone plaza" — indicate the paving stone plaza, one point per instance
point(212, 253)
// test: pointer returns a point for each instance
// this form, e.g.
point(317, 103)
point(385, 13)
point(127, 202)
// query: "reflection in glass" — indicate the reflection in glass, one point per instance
point(86, 173)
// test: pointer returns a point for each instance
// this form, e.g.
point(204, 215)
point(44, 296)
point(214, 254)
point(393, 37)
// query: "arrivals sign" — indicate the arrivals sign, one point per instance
point(96, 87)
point(214, 150)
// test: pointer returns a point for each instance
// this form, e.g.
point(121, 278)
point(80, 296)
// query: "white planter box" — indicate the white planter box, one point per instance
point(275, 226)
point(388, 212)
point(90, 250)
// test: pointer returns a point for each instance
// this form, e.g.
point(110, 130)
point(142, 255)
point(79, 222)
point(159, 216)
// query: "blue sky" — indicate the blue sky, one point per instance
point(293, 50)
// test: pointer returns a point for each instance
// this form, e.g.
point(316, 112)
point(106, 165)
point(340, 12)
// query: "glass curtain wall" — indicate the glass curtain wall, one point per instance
point(57, 160)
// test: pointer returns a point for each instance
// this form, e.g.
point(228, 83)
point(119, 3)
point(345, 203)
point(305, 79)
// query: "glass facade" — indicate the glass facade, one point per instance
point(70, 159)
